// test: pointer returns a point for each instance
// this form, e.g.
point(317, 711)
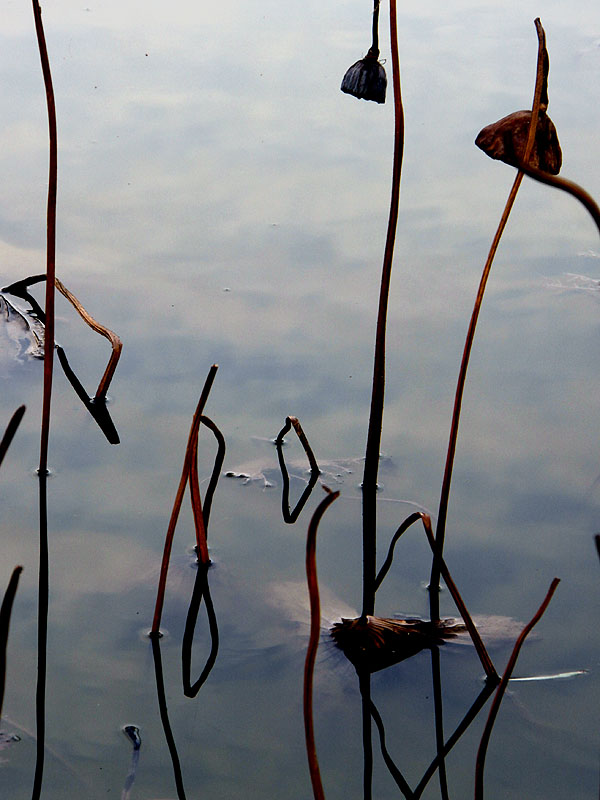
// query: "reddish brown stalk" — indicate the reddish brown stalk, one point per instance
point(445, 491)
point(50, 239)
point(486, 661)
point(480, 764)
point(565, 185)
point(313, 642)
point(185, 474)
point(378, 390)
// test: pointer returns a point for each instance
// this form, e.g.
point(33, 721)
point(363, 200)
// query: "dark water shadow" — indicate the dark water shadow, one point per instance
point(201, 590)
point(164, 717)
point(290, 516)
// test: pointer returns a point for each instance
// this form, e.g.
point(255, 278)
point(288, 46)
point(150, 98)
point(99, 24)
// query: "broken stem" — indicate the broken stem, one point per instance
point(185, 473)
point(112, 337)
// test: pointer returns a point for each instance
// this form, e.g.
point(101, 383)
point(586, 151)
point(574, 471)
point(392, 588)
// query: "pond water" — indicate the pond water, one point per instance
point(221, 201)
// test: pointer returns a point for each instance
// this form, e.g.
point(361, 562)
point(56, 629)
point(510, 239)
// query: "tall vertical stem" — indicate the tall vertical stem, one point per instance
point(43, 581)
point(378, 390)
point(540, 94)
point(50, 238)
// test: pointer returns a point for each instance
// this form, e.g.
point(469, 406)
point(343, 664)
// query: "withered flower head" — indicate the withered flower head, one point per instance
point(506, 140)
point(366, 79)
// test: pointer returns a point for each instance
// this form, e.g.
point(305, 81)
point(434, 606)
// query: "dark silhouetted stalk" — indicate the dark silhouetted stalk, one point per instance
point(42, 638)
point(98, 410)
point(364, 684)
point(164, 717)
point(291, 516)
point(540, 89)
point(313, 641)
point(439, 721)
point(10, 431)
point(201, 590)
point(494, 708)
point(185, 474)
point(5, 612)
point(214, 478)
point(96, 404)
point(471, 714)
point(393, 769)
point(43, 582)
point(50, 238)
point(486, 661)
point(371, 470)
point(410, 520)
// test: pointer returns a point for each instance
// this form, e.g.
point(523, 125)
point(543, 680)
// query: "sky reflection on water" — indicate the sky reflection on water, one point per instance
point(220, 200)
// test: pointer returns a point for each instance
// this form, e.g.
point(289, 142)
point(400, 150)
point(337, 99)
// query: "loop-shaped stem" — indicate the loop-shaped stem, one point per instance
point(494, 708)
point(291, 516)
point(185, 474)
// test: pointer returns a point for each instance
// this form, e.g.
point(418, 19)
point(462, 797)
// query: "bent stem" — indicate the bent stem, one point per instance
point(494, 708)
point(541, 75)
point(313, 642)
point(378, 389)
point(185, 473)
point(116, 343)
point(290, 516)
point(10, 431)
point(486, 661)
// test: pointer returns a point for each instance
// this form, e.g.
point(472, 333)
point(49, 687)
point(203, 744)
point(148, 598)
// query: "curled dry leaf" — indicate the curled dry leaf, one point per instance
point(506, 139)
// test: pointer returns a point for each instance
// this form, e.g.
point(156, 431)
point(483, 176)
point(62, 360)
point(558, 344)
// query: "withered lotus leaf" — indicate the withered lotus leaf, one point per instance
point(506, 139)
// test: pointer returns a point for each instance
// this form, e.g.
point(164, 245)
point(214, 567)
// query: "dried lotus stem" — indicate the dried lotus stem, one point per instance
point(185, 475)
point(5, 611)
point(313, 643)
point(502, 688)
point(112, 337)
point(540, 94)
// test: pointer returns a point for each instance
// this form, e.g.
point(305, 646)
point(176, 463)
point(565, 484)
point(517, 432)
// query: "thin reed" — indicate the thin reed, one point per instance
point(494, 708)
point(188, 469)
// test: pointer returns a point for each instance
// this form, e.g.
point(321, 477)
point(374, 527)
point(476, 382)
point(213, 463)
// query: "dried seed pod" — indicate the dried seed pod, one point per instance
point(506, 139)
point(366, 79)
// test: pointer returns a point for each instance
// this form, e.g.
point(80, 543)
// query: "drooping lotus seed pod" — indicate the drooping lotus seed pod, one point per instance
point(366, 79)
point(506, 140)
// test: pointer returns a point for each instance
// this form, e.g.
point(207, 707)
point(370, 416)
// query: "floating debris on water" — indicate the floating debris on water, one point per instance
point(558, 676)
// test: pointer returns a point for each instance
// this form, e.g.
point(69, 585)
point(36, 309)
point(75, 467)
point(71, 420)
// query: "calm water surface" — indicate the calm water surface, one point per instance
point(220, 200)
